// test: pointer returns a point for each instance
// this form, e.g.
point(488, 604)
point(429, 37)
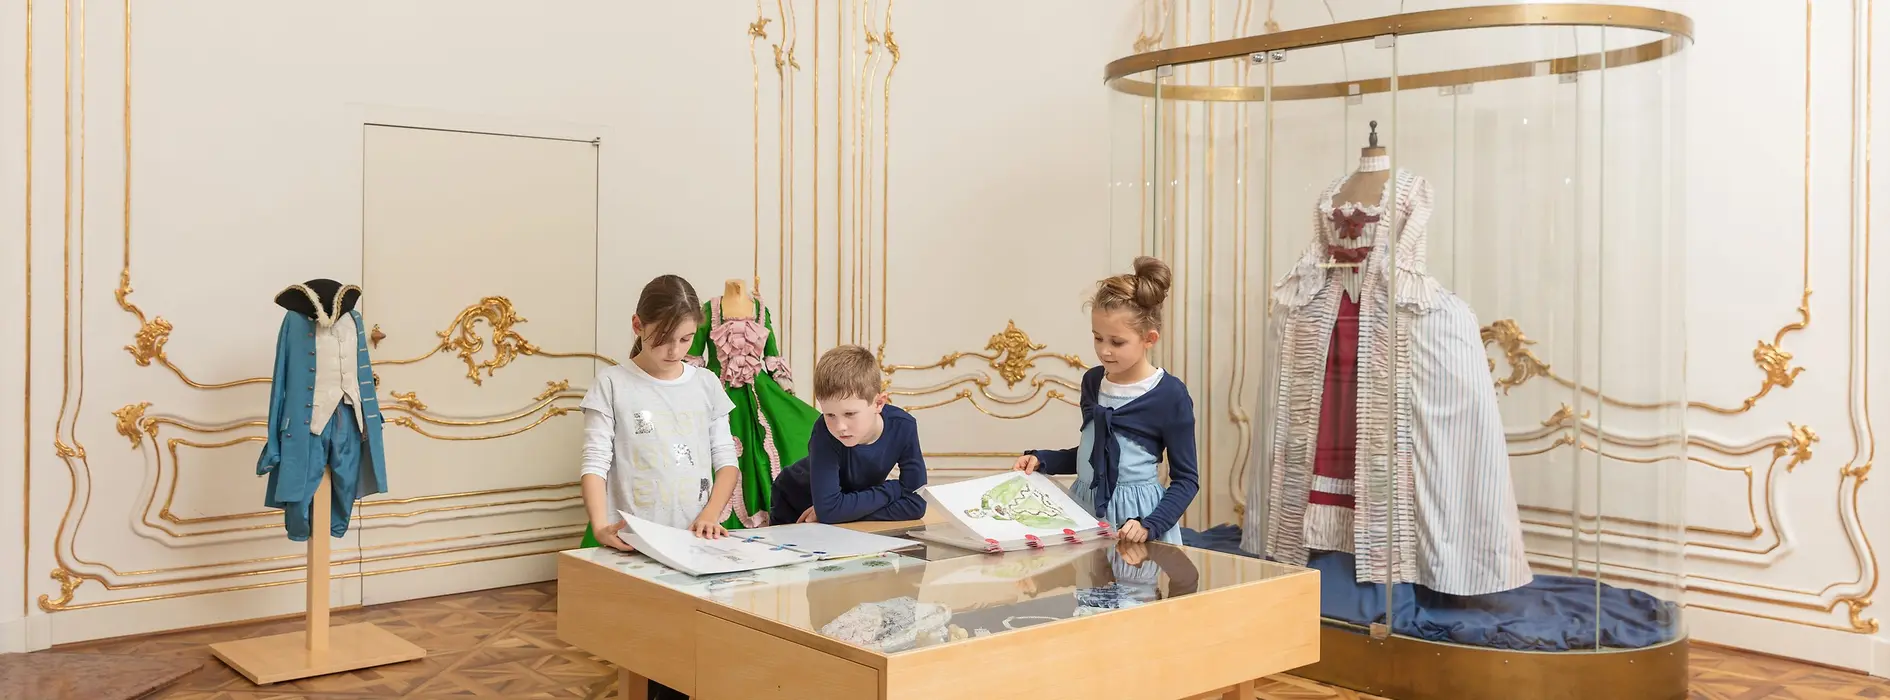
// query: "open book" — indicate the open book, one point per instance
point(1006, 512)
point(747, 550)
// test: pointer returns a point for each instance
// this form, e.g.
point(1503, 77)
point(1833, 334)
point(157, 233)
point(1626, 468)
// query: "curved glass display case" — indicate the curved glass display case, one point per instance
point(1430, 298)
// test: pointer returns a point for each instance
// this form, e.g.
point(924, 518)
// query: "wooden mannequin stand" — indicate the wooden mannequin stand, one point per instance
point(318, 650)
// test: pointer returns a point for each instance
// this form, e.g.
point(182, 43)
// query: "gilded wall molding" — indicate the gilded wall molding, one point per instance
point(1012, 355)
point(463, 339)
point(135, 425)
point(70, 581)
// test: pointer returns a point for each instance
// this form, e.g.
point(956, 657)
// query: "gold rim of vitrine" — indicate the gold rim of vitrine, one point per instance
point(1678, 27)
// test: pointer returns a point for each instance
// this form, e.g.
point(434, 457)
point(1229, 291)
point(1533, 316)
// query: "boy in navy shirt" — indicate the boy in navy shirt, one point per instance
point(854, 447)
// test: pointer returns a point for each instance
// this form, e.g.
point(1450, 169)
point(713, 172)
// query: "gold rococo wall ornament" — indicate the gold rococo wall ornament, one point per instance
point(1012, 355)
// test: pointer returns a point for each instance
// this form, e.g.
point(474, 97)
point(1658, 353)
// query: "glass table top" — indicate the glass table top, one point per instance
point(929, 595)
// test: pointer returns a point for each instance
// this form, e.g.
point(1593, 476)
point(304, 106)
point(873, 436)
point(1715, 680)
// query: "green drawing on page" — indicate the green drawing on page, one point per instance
point(1015, 500)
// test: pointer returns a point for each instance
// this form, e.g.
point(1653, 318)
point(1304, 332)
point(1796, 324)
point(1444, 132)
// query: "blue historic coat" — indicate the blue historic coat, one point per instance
point(291, 400)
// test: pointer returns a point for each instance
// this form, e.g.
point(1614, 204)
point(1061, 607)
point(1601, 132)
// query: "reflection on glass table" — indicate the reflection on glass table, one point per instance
point(935, 595)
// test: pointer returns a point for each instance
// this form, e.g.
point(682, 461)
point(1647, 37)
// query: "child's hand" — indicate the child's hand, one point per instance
point(808, 516)
point(1026, 464)
point(607, 536)
point(1132, 531)
point(707, 527)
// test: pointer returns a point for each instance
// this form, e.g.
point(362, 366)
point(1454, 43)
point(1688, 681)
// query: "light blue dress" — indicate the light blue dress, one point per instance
point(1138, 477)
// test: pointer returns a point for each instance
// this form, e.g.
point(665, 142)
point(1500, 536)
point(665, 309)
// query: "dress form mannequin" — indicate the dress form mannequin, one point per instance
point(1360, 198)
point(771, 427)
point(735, 300)
point(1389, 446)
point(1368, 182)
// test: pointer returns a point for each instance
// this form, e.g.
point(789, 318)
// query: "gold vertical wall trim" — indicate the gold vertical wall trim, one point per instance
point(781, 145)
point(863, 196)
point(1243, 145)
point(862, 178)
point(1185, 225)
point(840, 159)
point(790, 108)
point(1185, 238)
point(1207, 262)
point(815, 199)
point(853, 212)
point(757, 30)
point(859, 166)
point(75, 451)
point(885, 179)
point(1859, 473)
point(26, 414)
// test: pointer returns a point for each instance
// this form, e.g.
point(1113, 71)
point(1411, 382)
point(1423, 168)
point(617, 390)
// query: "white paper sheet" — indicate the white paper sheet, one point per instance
point(683, 551)
point(822, 540)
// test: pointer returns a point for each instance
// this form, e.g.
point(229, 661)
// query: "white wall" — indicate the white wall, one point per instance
point(969, 180)
point(245, 168)
point(13, 208)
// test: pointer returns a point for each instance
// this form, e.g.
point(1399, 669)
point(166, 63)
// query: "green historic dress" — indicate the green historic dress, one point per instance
point(770, 424)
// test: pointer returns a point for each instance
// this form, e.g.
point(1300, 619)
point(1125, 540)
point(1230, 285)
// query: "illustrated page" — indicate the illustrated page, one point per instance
point(1008, 507)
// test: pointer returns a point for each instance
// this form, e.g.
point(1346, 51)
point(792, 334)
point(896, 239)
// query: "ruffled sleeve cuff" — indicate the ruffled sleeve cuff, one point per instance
point(778, 368)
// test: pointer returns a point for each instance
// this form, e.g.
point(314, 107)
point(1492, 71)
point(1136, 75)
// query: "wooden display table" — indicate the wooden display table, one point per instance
point(1094, 621)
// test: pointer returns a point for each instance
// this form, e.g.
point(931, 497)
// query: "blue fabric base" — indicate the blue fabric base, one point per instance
point(1552, 613)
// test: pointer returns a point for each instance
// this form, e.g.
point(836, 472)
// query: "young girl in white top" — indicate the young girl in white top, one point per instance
point(656, 437)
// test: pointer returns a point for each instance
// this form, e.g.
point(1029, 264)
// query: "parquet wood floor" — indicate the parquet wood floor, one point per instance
point(503, 644)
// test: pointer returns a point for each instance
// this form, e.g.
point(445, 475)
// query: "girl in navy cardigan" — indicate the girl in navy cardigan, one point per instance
point(1132, 412)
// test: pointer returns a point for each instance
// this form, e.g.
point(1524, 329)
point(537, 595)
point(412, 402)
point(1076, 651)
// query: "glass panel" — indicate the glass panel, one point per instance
point(1642, 448)
point(1132, 169)
point(1317, 490)
point(1504, 289)
point(959, 597)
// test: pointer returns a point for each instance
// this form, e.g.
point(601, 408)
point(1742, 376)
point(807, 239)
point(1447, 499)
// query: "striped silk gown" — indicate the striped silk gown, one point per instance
point(1439, 510)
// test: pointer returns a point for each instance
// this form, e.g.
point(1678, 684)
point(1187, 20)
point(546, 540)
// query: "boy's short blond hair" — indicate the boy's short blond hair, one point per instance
point(847, 372)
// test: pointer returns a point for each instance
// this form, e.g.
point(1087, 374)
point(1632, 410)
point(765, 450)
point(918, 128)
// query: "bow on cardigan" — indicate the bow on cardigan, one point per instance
point(1134, 420)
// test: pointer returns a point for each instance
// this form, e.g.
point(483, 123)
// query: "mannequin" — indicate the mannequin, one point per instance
point(325, 418)
point(1359, 202)
point(1388, 445)
point(735, 300)
point(1374, 169)
point(771, 425)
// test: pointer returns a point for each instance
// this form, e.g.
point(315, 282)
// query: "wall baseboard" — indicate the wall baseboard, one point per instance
point(1835, 648)
point(1880, 657)
point(24, 634)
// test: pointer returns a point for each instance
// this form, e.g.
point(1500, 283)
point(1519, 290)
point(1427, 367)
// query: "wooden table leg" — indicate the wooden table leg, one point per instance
point(1246, 690)
point(631, 686)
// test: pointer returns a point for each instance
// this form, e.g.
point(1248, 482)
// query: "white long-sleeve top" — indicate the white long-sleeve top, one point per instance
point(657, 443)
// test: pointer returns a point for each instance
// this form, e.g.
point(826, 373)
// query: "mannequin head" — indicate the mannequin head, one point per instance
point(668, 314)
point(1126, 318)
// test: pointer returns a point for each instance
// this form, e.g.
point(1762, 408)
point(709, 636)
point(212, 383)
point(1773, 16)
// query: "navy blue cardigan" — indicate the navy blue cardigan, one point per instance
point(1161, 419)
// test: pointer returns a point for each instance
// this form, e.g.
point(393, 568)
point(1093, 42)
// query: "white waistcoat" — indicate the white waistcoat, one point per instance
point(336, 378)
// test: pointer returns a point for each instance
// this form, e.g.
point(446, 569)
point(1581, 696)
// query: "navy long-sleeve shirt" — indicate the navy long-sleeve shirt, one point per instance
point(848, 484)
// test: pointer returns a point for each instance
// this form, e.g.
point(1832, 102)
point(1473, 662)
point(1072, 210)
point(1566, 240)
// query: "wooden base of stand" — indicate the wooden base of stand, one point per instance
point(286, 657)
point(319, 649)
